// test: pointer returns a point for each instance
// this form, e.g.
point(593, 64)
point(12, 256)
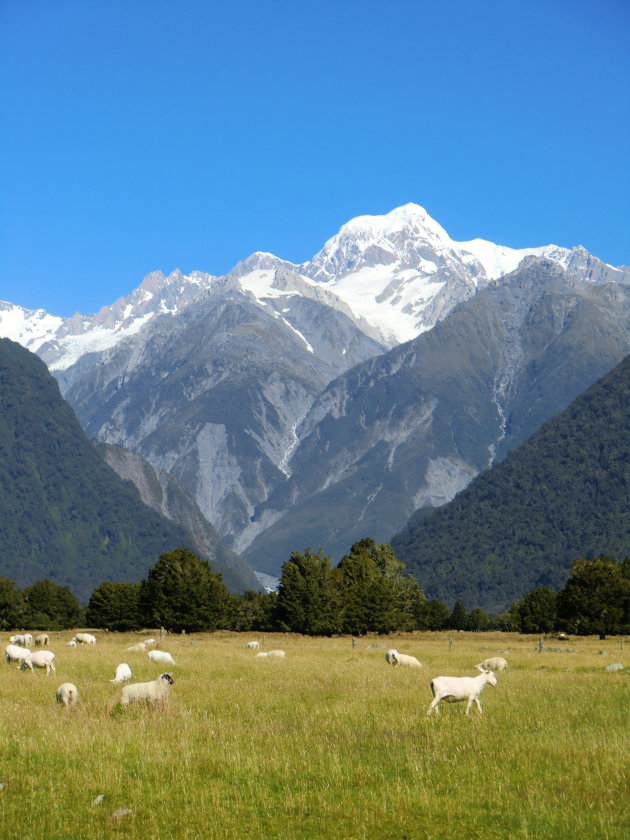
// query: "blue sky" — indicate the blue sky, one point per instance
point(143, 135)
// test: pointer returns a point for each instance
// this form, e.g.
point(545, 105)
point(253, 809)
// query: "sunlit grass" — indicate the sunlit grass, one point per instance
point(330, 743)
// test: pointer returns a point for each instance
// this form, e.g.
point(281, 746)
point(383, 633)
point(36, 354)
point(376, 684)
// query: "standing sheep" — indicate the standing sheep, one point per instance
point(42, 639)
point(67, 694)
point(457, 689)
point(161, 656)
point(495, 663)
point(149, 692)
point(252, 645)
point(39, 659)
point(396, 658)
point(14, 653)
point(85, 639)
point(122, 673)
point(24, 639)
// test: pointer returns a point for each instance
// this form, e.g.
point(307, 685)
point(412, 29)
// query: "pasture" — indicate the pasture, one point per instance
point(331, 742)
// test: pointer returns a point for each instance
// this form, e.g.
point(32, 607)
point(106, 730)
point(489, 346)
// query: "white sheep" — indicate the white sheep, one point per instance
point(495, 663)
point(67, 694)
point(396, 658)
point(252, 645)
point(161, 656)
point(71, 643)
point(122, 673)
point(85, 639)
point(457, 689)
point(261, 655)
point(140, 647)
point(276, 654)
point(150, 642)
point(14, 653)
point(39, 659)
point(24, 639)
point(42, 639)
point(148, 692)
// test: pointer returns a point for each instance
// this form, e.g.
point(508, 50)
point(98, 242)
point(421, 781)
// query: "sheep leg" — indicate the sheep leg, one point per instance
point(434, 705)
point(478, 705)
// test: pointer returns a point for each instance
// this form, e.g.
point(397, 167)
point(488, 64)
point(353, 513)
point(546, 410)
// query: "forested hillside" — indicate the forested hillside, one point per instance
point(65, 514)
point(562, 494)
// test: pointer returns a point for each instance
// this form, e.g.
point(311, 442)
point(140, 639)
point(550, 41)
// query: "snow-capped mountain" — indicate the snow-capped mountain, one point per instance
point(288, 398)
point(395, 275)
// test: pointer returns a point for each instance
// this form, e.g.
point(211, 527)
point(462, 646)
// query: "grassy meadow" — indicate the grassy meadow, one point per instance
point(329, 743)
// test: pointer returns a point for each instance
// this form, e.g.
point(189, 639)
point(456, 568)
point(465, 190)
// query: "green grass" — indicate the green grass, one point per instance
point(330, 743)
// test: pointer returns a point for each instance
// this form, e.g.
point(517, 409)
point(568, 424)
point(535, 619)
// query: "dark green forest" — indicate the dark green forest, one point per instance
point(562, 494)
point(368, 592)
point(65, 515)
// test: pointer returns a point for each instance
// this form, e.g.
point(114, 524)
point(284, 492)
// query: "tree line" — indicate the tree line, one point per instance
point(367, 592)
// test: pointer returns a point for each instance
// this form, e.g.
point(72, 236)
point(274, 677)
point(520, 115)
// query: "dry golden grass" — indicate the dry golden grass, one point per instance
point(329, 743)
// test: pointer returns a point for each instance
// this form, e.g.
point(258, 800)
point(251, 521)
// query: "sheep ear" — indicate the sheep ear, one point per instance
point(480, 668)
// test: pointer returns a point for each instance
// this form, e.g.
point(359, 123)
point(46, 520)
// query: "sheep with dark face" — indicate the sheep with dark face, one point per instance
point(156, 691)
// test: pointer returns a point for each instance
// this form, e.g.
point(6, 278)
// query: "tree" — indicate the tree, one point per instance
point(478, 620)
point(13, 607)
point(115, 606)
point(437, 615)
point(51, 606)
point(306, 599)
point(253, 611)
point(596, 598)
point(182, 592)
point(374, 595)
point(459, 617)
point(537, 611)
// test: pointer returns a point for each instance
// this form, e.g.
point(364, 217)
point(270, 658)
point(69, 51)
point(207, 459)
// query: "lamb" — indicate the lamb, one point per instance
point(495, 663)
point(139, 648)
point(148, 692)
point(85, 639)
point(161, 656)
point(456, 689)
point(14, 653)
point(252, 645)
point(276, 654)
point(71, 643)
point(122, 673)
point(24, 639)
point(396, 658)
point(67, 694)
point(39, 659)
point(42, 639)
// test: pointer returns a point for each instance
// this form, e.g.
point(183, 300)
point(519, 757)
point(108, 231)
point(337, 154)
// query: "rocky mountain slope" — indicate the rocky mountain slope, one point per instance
point(413, 426)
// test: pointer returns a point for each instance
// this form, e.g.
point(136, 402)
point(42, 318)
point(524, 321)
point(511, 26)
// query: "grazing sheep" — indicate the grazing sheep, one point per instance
point(276, 654)
point(42, 639)
point(495, 663)
point(138, 648)
point(68, 694)
point(148, 692)
point(456, 689)
point(252, 645)
point(85, 639)
point(396, 658)
point(150, 642)
point(14, 653)
point(24, 639)
point(122, 673)
point(161, 656)
point(71, 643)
point(261, 655)
point(39, 659)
